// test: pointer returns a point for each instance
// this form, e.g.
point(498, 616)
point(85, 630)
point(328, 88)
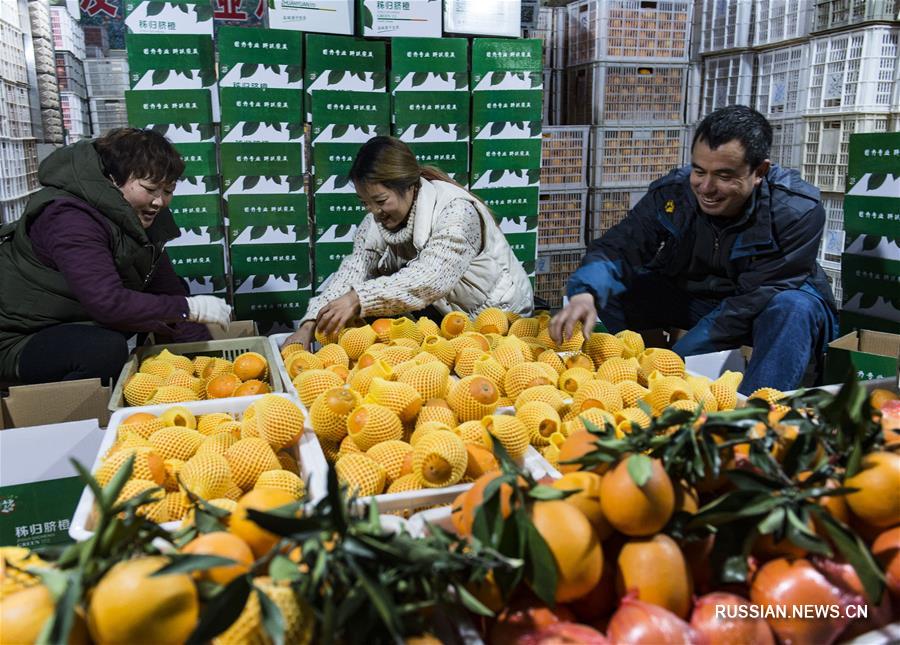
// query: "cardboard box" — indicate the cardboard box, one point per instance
point(39, 487)
point(429, 64)
point(327, 16)
point(260, 58)
point(524, 246)
point(870, 317)
point(339, 63)
point(452, 158)
point(480, 18)
point(198, 261)
point(336, 233)
point(871, 264)
point(198, 186)
point(208, 285)
point(181, 17)
point(170, 61)
point(431, 116)
point(875, 152)
point(505, 163)
point(338, 209)
point(280, 306)
point(48, 403)
point(263, 160)
point(493, 55)
point(198, 236)
point(328, 259)
point(251, 115)
point(872, 354)
point(347, 117)
point(199, 159)
point(192, 211)
point(264, 211)
point(387, 19)
point(511, 203)
point(270, 258)
point(146, 108)
point(507, 114)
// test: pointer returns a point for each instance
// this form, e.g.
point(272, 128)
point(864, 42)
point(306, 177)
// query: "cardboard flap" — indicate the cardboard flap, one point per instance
point(45, 403)
point(879, 342)
point(41, 453)
point(237, 329)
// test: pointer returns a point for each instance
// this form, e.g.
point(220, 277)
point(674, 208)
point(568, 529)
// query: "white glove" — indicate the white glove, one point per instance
point(209, 309)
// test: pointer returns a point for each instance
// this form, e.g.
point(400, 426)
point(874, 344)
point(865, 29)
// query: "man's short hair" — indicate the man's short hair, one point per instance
point(739, 122)
point(128, 153)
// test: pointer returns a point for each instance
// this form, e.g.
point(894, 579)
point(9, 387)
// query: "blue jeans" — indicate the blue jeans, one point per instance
point(793, 329)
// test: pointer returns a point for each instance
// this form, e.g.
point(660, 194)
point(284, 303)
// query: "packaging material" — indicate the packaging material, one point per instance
point(479, 18)
point(506, 64)
point(178, 17)
point(326, 16)
point(260, 58)
point(871, 354)
point(343, 64)
point(39, 487)
point(417, 18)
point(170, 61)
point(202, 265)
point(49, 403)
point(188, 113)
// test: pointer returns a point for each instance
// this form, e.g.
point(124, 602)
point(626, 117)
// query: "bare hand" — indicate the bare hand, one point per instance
point(338, 313)
point(303, 335)
point(580, 309)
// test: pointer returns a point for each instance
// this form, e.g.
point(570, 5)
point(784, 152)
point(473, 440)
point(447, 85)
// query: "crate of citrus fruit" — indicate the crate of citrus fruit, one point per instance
point(179, 373)
point(219, 450)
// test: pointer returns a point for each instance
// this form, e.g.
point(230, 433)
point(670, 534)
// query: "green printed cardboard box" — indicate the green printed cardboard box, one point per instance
point(452, 158)
point(431, 117)
point(871, 354)
point(349, 117)
point(183, 116)
point(198, 261)
point(271, 115)
point(874, 152)
point(172, 17)
point(494, 161)
point(337, 209)
point(514, 114)
point(429, 64)
point(260, 58)
point(328, 259)
point(871, 264)
point(339, 63)
point(498, 63)
point(514, 209)
point(271, 305)
point(199, 215)
point(270, 258)
point(170, 62)
point(254, 219)
point(524, 246)
point(392, 18)
point(872, 204)
point(282, 163)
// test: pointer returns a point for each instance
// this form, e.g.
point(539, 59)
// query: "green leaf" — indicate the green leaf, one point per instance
point(113, 489)
point(472, 603)
point(250, 128)
point(382, 604)
point(749, 480)
point(249, 69)
point(540, 567)
point(335, 77)
point(640, 468)
point(188, 563)
point(546, 493)
point(876, 179)
point(272, 620)
point(159, 76)
point(57, 629)
point(772, 522)
point(856, 553)
point(204, 13)
point(222, 610)
point(251, 182)
point(368, 19)
point(419, 78)
point(155, 8)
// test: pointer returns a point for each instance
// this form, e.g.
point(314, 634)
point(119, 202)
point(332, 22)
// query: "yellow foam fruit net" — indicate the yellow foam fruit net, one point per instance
point(470, 432)
point(208, 423)
point(473, 397)
point(509, 353)
point(148, 464)
point(248, 458)
point(176, 505)
point(287, 461)
point(404, 484)
point(455, 323)
point(492, 321)
point(618, 369)
point(371, 423)
point(525, 328)
point(175, 442)
point(279, 421)
point(664, 361)
point(14, 561)
point(597, 394)
point(546, 393)
point(439, 459)
point(635, 415)
point(215, 367)
point(436, 413)
point(282, 480)
point(362, 476)
point(396, 354)
point(390, 455)
point(573, 378)
point(509, 431)
point(363, 378)
point(631, 392)
point(684, 404)
point(143, 428)
point(665, 390)
point(130, 440)
point(172, 394)
point(356, 340)
point(324, 339)
point(311, 383)
point(465, 360)
point(725, 395)
point(155, 511)
point(333, 354)
point(488, 366)
point(426, 428)
point(161, 369)
point(406, 328)
point(430, 380)
point(199, 364)
point(769, 394)
point(217, 444)
point(140, 387)
point(594, 415)
point(173, 468)
point(540, 421)
point(181, 362)
point(633, 343)
point(574, 343)
point(525, 375)
point(347, 446)
point(428, 326)
point(302, 360)
point(466, 342)
point(208, 476)
point(440, 347)
point(551, 358)
point(328, 413)
point(400, 398)
point(601, 347)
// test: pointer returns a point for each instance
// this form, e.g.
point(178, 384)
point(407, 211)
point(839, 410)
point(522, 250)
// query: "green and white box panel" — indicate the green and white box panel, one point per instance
point(480, 18)
point(268, 303)
point(452, 158)
point(872, 204)
point(512, 114)
point(390, 18)
point(203, 265)
point(507, 64)
point(170, 62)
point(494, 158)
point(326, 16)
point(270, 258)
point(349, 117)
point(199, 158)
point(524, 246)
point(515, 209)
point(429, 64)
point(183, 116)
point(431, 117)
point(172, 17)
point(199, 217)
point(331, 165)
point(260, 58)
point(871, 264)
point(271, 115)
point(337, 209)
point(281, 164)
point(335, 233)
point(328, 259)
point(872, 153)
point(345, 64)
point(254, 219)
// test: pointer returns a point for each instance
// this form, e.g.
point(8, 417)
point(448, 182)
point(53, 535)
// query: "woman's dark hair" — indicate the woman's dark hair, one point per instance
point(140, 154)
point(741, 123)
point(389, 161)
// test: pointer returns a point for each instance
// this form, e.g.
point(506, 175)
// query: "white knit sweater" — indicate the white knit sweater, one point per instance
point(422, 280)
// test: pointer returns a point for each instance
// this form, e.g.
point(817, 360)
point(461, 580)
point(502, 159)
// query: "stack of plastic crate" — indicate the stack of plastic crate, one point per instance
point(18, 152)
point(45, 69)
point(107, 81)
point(69, 54)
point(551, 29)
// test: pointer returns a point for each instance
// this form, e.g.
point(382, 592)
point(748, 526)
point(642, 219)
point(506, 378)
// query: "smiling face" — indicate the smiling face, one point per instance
point(722, 180)
point(147, 198)
point(388, 207)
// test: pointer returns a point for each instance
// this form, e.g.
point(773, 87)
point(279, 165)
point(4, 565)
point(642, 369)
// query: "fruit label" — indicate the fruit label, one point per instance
point(276, 258)
point(500, 55)
point(511, 203)
point(191, 211)
point(173, 17)
point(199, 159)
point(477, 17)
point(328, 259)
point(265, 218)
point(877, 153)
point(260, 58)
point(439, 64)
point(418, 18)
point(271, 160)
point(187, 108)
point(39, 513)
point(328, 16)
point(337, 209)
point(272, 300)
point(199, 260)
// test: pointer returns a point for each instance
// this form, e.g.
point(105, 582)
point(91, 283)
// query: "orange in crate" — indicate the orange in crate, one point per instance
point(250, 365)
point(473, 397)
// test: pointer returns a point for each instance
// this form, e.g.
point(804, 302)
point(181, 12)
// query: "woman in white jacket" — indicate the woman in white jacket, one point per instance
point(426, 243)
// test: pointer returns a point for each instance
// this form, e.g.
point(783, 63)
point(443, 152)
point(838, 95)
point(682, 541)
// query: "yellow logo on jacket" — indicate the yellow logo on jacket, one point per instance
point(670, 206)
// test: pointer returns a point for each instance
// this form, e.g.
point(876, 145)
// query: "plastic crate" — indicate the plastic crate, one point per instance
point(67, 32)
point(607, 208)
point(831, 246)
point(779, 20)
point(608, 94)
point(561, 219)
point(727, 80)
point(76, 116)
point(629, 30)
point(229, 349)
point(12, 54)
point(826, 145)
point(564, 154)
point(12, 209)
point(307, 452)
point(551, 29)
point(787, 142)
point(554, 95)
point(18, 168)
point(552, 271)
point(840, 13)
point(854, 71)
point(106, 77)
point(834, 279)
point(781, 81)
point(724, 24)
point(9, 12)
point(15, 111)
point(634, 156)
point(70, 73)
point(106, 114)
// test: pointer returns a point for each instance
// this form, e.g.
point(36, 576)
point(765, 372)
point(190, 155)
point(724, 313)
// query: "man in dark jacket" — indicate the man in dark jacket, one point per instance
point(725, 248)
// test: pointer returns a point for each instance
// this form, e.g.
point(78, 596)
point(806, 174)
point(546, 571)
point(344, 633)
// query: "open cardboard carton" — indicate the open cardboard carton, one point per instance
point(46, 403)
point(871, 354)
point(39, 486)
